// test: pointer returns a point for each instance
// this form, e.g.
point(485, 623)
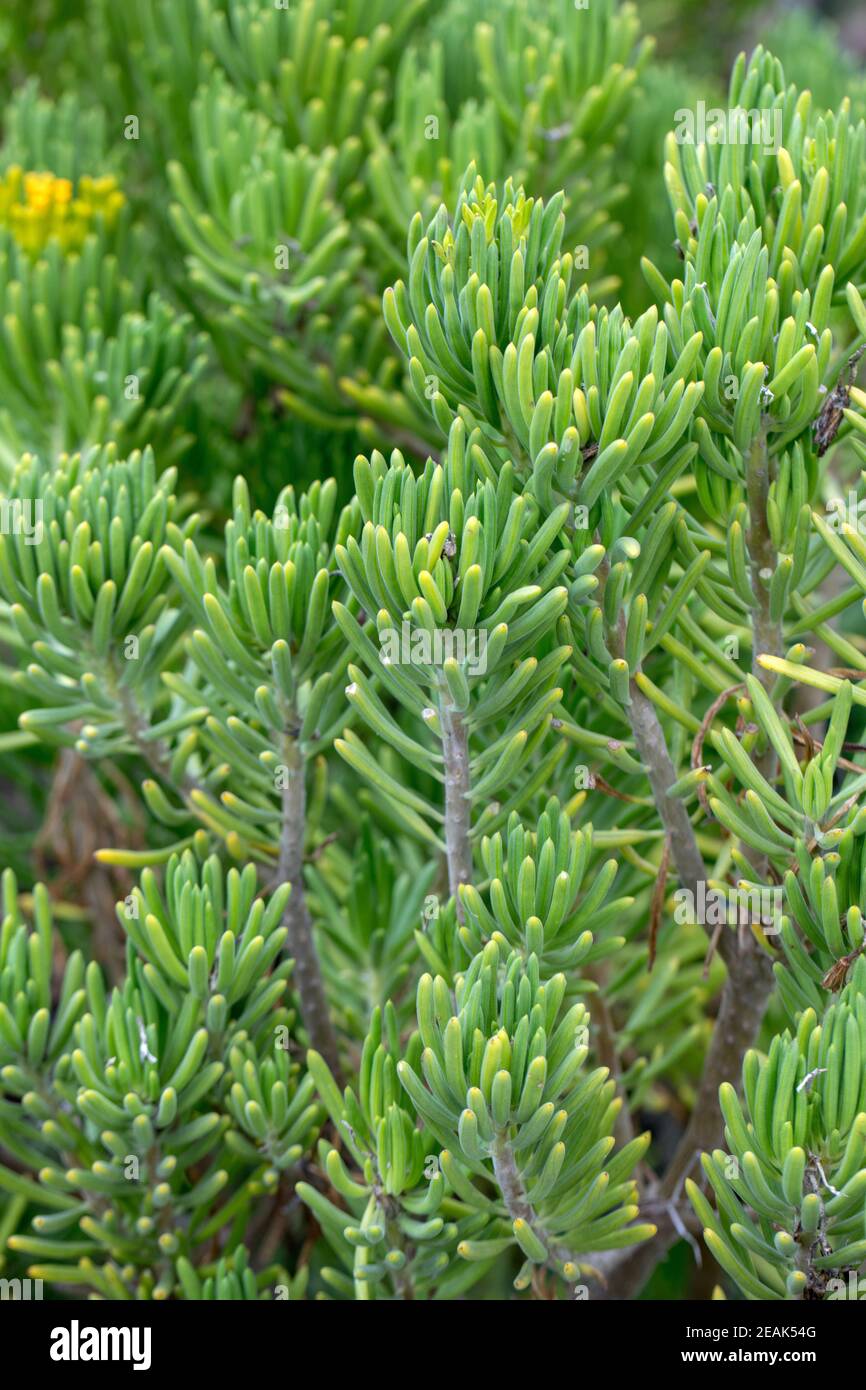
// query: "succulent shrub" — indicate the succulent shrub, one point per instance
point(432, 686)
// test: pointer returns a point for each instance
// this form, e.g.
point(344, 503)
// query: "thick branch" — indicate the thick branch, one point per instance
point(743, 1002)
point(741, 1010)
point(297, 919)
point(750, 979)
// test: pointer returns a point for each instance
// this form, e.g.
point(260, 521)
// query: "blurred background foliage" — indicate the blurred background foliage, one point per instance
point(821, 44)
point(50, 45)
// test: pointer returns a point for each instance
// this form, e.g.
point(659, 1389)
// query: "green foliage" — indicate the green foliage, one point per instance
point(533, 896)
point(84, 577)
point(270, 662)
point(402, 1238)
point(269, 247)
point(89, 351)
point(300, 140)
point(452, 575)
point(800, 1136)
point(492, 329)
point(505, 1094)
point(120, 1102)
point(399, 983)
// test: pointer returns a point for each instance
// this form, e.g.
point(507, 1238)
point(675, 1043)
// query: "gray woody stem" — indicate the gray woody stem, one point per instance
point(302, 947)
point(743, 1001)
point(767, 634)
point(750, 979)
point(455, 752)
point(650, 743)
point(514, 1196)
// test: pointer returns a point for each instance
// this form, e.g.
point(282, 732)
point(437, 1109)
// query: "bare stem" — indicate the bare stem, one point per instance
point(509, 1182)
point(750, 979)
point(403, 1283)
point(608, 1055)
point(455, 752)
point(767, 633)
point(297, 919)
point(155, 753)
point(650, 742)
point(517, 1203)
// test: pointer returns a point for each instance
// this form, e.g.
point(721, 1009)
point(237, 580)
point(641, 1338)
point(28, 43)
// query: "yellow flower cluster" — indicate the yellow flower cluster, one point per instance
point(37, 207)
